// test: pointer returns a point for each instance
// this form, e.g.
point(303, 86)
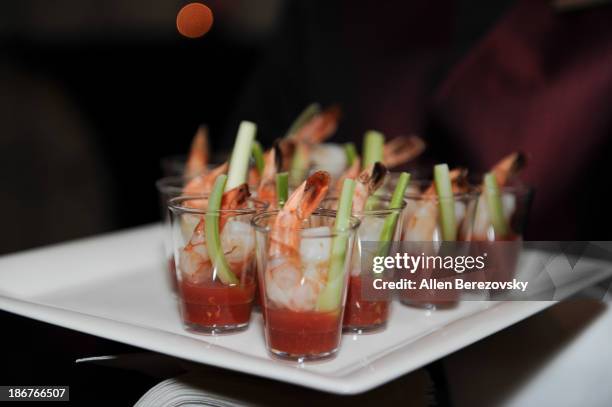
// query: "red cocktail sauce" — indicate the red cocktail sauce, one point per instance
point(302, 333)
point(216, 304)
point(362, 314)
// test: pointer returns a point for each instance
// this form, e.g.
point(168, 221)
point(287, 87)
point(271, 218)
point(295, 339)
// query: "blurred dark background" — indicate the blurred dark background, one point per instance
point(93, 94)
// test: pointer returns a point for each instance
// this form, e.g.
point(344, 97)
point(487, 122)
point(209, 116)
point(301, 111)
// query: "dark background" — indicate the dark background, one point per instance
point(93, 95)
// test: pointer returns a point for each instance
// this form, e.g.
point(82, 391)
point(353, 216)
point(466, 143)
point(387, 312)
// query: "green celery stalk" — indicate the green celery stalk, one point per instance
point(494, 202)
point(351, 153)
point(331, 297)
point(373, 143)
point(307, 114)
point(257, 153)
point(389, 226)
point(446, 202)
point(213, 239)
point(282, 188)
point(239, 161)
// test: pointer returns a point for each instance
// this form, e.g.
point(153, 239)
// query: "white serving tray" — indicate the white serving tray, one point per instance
point(115, 286)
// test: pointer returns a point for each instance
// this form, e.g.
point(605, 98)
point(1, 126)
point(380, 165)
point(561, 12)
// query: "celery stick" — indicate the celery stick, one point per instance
point(389, 226)
point(373, 143)
point(331, 297)
point(213, 240)
point(494, 202)
point(307, 114)
point(447, 204)
point(257, 153)
point(351, 153)
point(282, 188)
point(239, 162)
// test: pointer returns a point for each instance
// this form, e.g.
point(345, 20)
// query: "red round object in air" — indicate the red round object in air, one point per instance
point(194, 20)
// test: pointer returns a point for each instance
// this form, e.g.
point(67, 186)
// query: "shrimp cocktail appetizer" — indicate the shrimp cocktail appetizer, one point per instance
point(500, 217)
point(303, 257)
point(500, 212)
point(307, 133)
point(172, 186)
point(366, 309)
point(214, 245)
point(442, 211)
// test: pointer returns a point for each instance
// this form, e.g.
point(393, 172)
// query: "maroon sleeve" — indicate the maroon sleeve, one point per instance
point(540, 81)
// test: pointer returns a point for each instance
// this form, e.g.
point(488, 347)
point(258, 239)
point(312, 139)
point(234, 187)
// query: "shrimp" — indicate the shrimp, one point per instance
point(320, 127)
point(296, 273)
point(508, 167)
point(421, 220)
point(368, 182)
point(402, 149)
point(237, 243)
point(198, 153)
point(314, 131)
point(203, 183)
point(504, 171)
point(272, 165)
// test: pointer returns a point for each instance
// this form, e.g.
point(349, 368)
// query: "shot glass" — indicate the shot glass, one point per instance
point(367, 309)
point(422, 236)
point(501, 239)
point(214, 254)
point(304, 272)
point(168, 188)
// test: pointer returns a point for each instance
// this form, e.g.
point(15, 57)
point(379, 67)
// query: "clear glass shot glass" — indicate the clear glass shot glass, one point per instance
point(303, 283)
point(503, 247)
point(367, 309)
point(215, 271)
point(422, 236)
point(168, 188)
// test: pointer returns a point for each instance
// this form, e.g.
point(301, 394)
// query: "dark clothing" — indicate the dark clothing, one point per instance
point(477, 82)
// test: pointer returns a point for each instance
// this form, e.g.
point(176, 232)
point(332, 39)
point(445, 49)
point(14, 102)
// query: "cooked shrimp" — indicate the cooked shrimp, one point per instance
point(272, 165)
point(400, 150)
point(203, 183)
point(508, 167)
point(504, 171)
point(198, 153)
point(296, 272)
point(314, 131)
point(236, 240)
point(320, 127)
point(369, 180)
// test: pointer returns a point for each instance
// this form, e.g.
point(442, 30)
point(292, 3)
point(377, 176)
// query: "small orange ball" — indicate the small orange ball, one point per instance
point(194, 20)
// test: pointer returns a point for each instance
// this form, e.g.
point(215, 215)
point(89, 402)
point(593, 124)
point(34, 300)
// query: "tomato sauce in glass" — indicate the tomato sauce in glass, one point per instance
point(216, 304)
point(172, 274)
point(359, 313)
point(302, 333)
